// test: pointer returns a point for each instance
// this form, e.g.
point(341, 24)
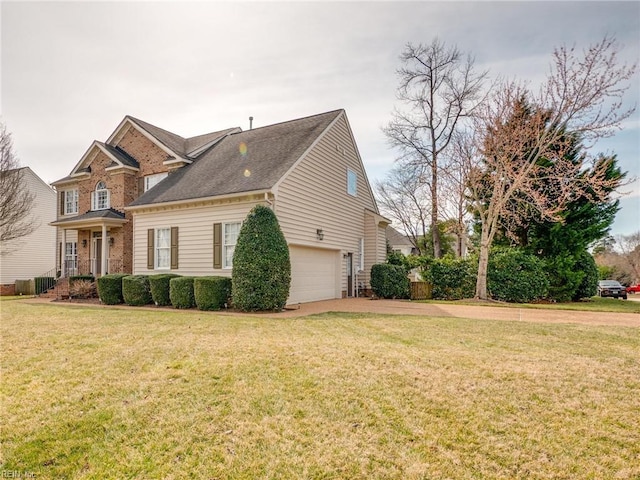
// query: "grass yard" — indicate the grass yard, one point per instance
point(98, 393)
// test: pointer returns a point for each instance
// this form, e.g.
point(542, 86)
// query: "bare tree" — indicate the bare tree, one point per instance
point(629, 247)
point(404, 196)
point(581, 96)
point(440, 88)
point(15, 199)
point(455, 178)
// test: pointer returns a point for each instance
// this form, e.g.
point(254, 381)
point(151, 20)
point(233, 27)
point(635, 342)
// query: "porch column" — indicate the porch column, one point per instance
point(103, 259)
point(63, 251)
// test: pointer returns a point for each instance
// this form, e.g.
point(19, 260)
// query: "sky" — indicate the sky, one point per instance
point(71, 71)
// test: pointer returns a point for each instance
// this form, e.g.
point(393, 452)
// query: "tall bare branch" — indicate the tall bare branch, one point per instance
point(440, 88)
point(15, 199)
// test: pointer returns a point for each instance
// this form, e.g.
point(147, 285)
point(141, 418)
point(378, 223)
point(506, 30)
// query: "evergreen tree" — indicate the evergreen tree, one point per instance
point(261, 275)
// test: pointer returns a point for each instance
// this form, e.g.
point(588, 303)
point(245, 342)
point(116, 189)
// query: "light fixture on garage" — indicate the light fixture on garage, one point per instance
point(320, 234)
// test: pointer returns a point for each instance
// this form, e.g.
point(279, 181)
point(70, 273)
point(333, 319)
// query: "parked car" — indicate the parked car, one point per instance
point(611, 288)
point(634, 289)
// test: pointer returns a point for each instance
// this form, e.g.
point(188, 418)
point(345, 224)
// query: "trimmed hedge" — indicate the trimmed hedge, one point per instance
point(212, 293)
point(42, 284)
point(261, 275)
point(136, 290)
point(516, 276)
point(390, 281)
point(452, 278)
point(159, 286)
point(110, 288)
point(181, 292)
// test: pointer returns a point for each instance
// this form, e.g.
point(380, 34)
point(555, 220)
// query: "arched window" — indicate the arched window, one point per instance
point(100, 197)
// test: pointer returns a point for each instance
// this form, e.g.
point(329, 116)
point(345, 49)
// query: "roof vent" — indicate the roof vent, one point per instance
point(250, 123)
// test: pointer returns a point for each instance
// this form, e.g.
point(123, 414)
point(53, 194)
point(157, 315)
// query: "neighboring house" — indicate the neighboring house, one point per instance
point(170, 204)
point(400, 243)
point(32, 255)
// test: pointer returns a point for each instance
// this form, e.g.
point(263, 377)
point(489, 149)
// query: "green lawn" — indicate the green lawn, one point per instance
point(97, 393)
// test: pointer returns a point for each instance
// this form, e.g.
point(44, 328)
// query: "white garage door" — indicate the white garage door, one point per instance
point(313, 274)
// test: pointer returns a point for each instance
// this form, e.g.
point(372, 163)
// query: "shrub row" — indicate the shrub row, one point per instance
point(207, 293)
point(512, 276)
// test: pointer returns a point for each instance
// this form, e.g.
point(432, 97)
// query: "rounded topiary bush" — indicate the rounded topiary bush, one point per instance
point(390, 281)
point(211, 293)
point(516, 276)
point(136, 290)
point(159, 286)
point(261, 275)
point(110, 288)
point(181, 292)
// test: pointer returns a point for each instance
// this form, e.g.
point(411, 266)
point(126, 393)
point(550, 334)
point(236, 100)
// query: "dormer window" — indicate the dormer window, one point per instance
point(100, 199)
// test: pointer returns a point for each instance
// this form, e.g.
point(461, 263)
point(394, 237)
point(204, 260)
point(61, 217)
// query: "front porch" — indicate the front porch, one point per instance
point(100, 244)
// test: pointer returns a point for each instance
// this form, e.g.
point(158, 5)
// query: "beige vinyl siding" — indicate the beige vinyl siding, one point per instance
point(314, 196)
point(34, 254)
point(195, 231)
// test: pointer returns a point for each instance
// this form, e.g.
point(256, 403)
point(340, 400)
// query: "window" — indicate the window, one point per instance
point(100, 197)
point(70, 202)
point(352, 182)
point(163, 248)
point(71, 256)
point(151, 181)
point(230, 235)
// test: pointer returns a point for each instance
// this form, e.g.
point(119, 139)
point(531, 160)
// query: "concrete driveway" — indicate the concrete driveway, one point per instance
point(403, 307)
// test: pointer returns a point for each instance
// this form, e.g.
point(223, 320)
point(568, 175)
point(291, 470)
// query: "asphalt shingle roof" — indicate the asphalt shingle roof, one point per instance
point(109, 213)
point(122, 156)
point(242, 162)
point(182, 146)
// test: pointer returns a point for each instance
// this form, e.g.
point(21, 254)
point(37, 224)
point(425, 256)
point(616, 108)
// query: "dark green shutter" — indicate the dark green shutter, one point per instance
point(174, 247)
point(217, 245)
point(150, 248)
point(62, 203)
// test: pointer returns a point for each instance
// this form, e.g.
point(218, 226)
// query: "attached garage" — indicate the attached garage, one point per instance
point(314, 274)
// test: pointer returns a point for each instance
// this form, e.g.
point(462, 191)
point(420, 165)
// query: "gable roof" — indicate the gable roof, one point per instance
point(184, 147)
point(397, 238)
point(248, 161)
point(119, 158)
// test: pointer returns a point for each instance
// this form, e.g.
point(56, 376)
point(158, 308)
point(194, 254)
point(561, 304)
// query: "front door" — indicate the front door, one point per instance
point(350, 275)
point(98, 256)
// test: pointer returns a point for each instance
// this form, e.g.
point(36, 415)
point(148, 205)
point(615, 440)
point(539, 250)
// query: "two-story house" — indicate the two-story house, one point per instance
point(148, 201)
point(94, 231)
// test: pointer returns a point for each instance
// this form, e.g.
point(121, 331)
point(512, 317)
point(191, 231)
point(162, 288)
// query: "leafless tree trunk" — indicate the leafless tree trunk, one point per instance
point(455, 178)
point(403, 196)
point(582, 95)
point(440, 88)
point(15, 199)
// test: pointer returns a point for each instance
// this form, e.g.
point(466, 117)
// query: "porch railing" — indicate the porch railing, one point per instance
point(89, 267)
